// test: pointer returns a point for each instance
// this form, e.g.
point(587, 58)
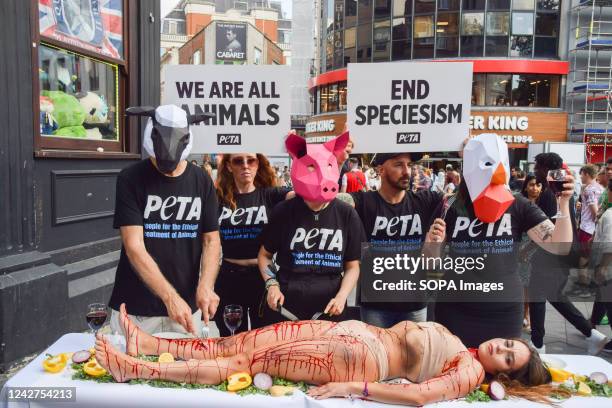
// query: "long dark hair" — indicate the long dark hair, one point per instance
point(530, 176)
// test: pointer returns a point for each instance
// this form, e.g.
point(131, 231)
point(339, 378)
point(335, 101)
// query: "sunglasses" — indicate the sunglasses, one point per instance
point(239, 161)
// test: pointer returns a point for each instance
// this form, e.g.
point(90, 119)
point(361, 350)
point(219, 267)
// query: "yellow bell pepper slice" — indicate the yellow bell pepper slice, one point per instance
point(559, 375)
point(93, 369)
point(484, 388)
point(165, 358)
point(238, 381)
point(55, 364)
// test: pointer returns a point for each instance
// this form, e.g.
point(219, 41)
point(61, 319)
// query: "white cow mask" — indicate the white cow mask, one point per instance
point(486, 171)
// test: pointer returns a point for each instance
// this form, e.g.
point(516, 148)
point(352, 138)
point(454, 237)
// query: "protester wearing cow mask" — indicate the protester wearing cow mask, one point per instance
point(247, 192)
point(316, 237)
point(485, 222)
point(395, 215)
point(166, 210)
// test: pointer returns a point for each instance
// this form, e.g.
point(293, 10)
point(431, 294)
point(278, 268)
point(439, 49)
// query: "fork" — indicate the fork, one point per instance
point(205, 331)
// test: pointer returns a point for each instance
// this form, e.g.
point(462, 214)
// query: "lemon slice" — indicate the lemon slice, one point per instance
point(165, 358)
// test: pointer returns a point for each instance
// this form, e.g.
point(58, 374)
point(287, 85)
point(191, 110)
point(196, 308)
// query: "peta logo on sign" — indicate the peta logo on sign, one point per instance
point(225, 139)
point(246, 216)
point(402, 224)
point(319, 238)
point(181, 208)
point(408, 137)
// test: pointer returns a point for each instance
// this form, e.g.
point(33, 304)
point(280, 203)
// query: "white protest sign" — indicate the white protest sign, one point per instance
point(251, 104)
point(409, 106)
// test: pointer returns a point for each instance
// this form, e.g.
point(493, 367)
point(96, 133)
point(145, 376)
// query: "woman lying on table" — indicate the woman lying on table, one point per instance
point(344, 359)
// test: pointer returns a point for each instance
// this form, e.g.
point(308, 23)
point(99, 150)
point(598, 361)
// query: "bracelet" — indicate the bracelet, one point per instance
point(271, 282)
point(365, 392)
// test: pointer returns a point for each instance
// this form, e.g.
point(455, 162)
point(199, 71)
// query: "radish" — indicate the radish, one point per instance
point(262, 381)
point(497, 391)
point(81, 356)
point(598, 377)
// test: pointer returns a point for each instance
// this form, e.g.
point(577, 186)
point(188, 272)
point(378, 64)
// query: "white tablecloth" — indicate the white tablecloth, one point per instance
point(91, 394)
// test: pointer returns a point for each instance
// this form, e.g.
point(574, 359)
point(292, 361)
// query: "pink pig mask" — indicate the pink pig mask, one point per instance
point(314, 171)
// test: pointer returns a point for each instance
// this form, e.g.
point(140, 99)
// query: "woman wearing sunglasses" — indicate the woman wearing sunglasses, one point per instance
point(247, 191)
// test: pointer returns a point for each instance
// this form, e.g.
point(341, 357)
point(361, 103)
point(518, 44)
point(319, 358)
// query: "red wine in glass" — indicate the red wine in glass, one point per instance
point(232, 317)
point(96, 320)
point(96, 316)
point(556, 186)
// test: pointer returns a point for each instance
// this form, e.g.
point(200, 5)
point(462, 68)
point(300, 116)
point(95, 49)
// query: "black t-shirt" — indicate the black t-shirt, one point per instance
point(174, 213)
point(240, 228)
point(405, 223)
point(496, 244)
point(306, 242)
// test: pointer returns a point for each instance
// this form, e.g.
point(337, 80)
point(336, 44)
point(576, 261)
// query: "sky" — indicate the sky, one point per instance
point(167, 5)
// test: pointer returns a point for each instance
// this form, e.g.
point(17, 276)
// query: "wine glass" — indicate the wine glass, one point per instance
point(232, 316)
point(96, 316)
point(556, 179)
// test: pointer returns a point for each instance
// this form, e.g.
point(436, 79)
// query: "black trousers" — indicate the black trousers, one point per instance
point(239, 285)
point(305, 295)
point(547, 285)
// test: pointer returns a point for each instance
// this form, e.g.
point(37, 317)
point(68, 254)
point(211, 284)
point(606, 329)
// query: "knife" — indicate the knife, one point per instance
point(287, 314)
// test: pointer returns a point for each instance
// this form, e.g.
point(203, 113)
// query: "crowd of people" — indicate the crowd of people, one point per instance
point(192, 246)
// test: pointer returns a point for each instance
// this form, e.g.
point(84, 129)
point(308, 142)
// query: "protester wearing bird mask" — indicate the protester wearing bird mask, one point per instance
point(166, 210)
point(484, 223)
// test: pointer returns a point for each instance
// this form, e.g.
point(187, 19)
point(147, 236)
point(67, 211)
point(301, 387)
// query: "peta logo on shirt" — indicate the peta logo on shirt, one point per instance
point(182, 208)
point(398, 225)
point(246, 216)
point(476, 227)
point(323, 239)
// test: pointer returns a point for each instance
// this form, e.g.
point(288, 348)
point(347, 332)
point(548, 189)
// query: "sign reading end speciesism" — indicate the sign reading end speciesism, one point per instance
point(251, 105)
point(409, 106)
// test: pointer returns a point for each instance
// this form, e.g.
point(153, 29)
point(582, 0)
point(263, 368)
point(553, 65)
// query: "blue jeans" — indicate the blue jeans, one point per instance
point(387, 318)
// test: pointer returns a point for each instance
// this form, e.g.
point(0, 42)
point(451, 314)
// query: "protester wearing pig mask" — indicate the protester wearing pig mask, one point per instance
point(485, 223)
point(316, 237)
point(247, 193)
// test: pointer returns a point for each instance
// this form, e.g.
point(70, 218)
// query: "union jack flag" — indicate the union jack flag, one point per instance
point(95, 25)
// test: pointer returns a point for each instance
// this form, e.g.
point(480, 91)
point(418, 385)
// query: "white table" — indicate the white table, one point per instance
point(91, 394)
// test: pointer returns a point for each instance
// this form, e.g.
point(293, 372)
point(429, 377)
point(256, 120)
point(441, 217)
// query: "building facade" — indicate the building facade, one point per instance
point(65, 138)
point(518, 49)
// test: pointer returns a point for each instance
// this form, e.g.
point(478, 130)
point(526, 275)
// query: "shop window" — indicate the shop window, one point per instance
point(448, 5)
point(447, 47)
point(498, 5)
point(80, 73)
point(496, 46)
point(350, 13)
point(473, 4)
point(401, 28)
point(382, 9)
point(447, 24)
point(342, 102)
point(523, 4)
point(498, 24)
point(78, 96)
point(472, 46)
point(478, 89)
point(424, 6)
point(498, 90)
point(332, 98)
point(545, 47)
point(522, 23)
point(547, 24)
point(364, 43)
point(548, 4)
point(382, 40)
point(402, 8)
point(400, 50)
point(364, 11)
point(323, 99)
point(423, 27)
point(521, 45)
point(473, 24)
point(535, 90)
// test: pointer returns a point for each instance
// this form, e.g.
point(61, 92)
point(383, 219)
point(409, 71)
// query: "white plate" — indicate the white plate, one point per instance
point(553, 362)
point(172, 335)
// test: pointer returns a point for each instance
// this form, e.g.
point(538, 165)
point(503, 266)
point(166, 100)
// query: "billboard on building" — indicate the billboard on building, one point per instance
point(231, 43)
